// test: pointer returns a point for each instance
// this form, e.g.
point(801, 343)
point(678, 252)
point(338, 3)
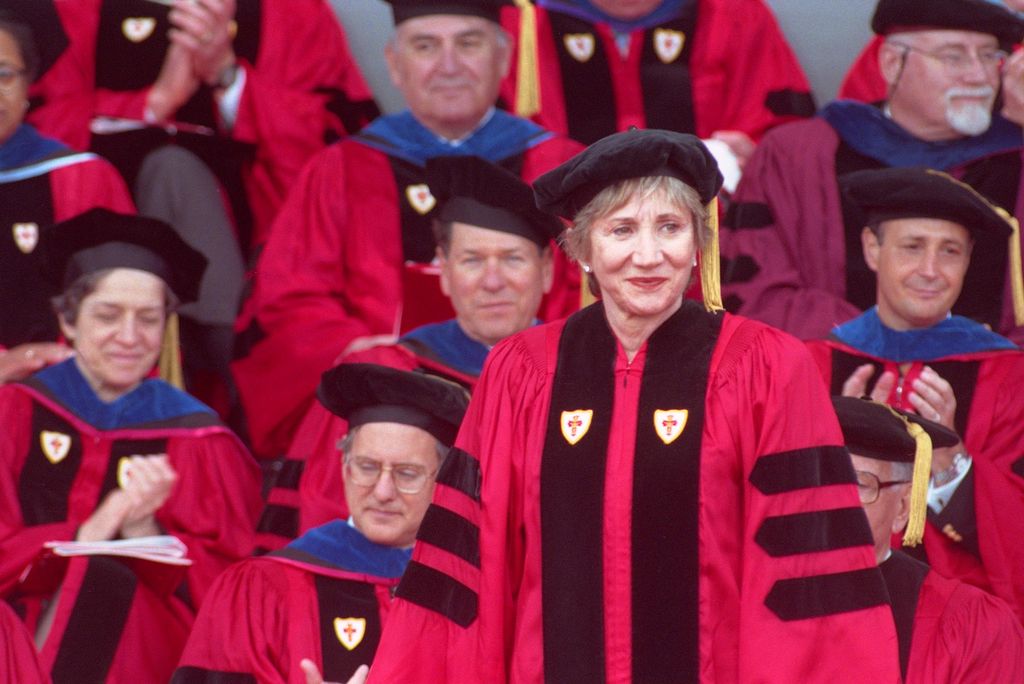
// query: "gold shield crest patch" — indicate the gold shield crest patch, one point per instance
point(350, 631)
point(575, 424)
point(420, 198)
point(668, 44)
point(580, 46)
point(124, 471)
point(26, 236)
point(670, 424)
point(138, 29)
point(56, 445)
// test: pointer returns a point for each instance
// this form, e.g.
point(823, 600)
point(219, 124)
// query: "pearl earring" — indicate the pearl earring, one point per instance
point(586, 268)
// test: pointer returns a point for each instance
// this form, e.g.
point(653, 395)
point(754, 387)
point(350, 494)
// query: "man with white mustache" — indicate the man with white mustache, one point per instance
point(791, 250)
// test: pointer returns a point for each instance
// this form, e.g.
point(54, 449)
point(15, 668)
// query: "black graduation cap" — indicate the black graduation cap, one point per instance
point(875, 430)
point(474, 191)
point(894, 193)
point(878, 431)
point(409, 9)
point(100, 239)
point(620, 156)
point(47, 31)
point(368, 393)
point(892, 16)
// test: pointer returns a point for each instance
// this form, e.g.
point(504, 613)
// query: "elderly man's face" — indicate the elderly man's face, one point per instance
point(449, 69)
point(921, 264)
point(495, 280)
point(627, 9)
point(401, 452)
point(947, 86)
point(888, 514)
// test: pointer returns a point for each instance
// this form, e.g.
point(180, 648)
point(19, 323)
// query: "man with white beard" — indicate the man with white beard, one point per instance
point(791, 249)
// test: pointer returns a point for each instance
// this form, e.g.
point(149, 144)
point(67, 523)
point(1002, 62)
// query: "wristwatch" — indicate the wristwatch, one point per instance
point(944, 477)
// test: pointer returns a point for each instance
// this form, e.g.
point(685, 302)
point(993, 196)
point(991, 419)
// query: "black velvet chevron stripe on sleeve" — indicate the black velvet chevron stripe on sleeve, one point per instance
point(788, 535)
point(450, 531)
point(789, 471)
point(820, 595)
point(790, 103)
point(440, 593)
point(200, 675)
point(742, 215)
point(462, 472)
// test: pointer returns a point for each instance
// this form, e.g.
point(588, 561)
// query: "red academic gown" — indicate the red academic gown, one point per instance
point(302, 88)
point(977, 536)
point(333, 272)
point(18, 659)
point(32, 197)
point(56, 468)
point(676, 550)
point(951, 632)
point(308, 489)
point(266, 614)
point(722, 65)
point(792, 259)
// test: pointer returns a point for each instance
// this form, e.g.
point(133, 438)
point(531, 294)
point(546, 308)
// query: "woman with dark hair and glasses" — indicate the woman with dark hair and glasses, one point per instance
point(41, 181)
point(94, 449)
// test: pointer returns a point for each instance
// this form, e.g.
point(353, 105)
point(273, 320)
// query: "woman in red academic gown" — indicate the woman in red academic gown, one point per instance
point(93, 451)
point(649, 490)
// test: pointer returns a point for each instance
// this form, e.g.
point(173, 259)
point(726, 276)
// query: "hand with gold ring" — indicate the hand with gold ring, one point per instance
point(22, 361)
point(206, 28)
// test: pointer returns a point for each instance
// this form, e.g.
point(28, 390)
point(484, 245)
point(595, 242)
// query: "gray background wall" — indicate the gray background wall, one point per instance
point(826, 35)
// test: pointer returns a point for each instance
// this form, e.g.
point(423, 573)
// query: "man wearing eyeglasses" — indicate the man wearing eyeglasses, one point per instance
point(948, 631)
point(317, 606)
point(791, 250)
point(923, 229)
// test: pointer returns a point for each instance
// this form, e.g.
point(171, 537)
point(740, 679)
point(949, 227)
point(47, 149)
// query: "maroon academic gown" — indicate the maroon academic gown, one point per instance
point(34, 196)
point(333, 272)
point(977, 536)
point(18, 659)
point(790, 258)
point(302, 89)
point(114, 623)
point(951, 632)
point(266, 614)
point(722, 65)
point(719, 542)
point(308, 490)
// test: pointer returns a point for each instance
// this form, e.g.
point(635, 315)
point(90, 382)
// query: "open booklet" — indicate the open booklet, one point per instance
point(159, 549)
point(160, 562)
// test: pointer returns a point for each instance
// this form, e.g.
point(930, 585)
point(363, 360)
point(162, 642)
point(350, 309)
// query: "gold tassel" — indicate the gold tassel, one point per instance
point(169, 363)
point(1016, 278)
point(710, 276)
point(527, 66)
point(919, 484)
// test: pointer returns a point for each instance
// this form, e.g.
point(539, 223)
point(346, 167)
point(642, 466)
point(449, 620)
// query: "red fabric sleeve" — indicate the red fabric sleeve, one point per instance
point(765, 399)
point(962, 634)
point(94, 183)
point(18, 660)
point(739, 57)
point(864, 80)
point(251, 622)
point(303, 63)
point(505, 420)
point(329, 274)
